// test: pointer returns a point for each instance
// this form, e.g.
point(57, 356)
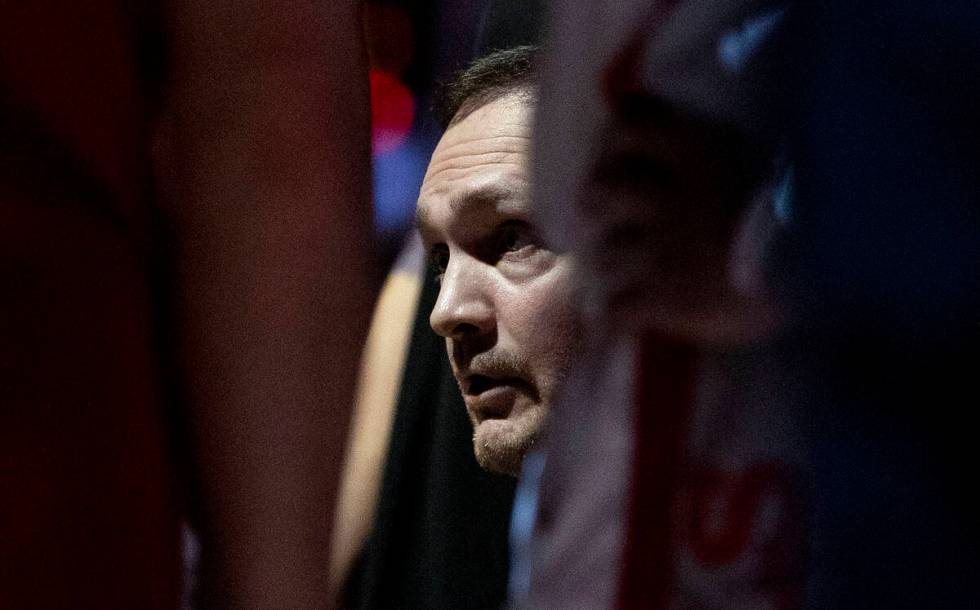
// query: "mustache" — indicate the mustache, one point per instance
point(498, 364)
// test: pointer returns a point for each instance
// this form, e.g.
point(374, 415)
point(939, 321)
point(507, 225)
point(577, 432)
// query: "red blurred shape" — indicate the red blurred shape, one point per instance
point(392, 111)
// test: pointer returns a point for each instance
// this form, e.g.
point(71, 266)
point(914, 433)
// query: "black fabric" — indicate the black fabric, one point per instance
point(440, 535)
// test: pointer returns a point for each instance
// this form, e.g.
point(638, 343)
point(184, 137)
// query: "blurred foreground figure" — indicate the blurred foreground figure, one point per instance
point(184, 226)
point(763, 423)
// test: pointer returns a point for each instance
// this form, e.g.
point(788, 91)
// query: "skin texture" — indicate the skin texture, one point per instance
point(506, 302)
point(263, 160)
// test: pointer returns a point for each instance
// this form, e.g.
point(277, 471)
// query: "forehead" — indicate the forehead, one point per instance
point(481, 158)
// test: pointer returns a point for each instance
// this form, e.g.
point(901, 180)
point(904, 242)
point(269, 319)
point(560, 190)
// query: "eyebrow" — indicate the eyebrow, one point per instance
point(461, 204)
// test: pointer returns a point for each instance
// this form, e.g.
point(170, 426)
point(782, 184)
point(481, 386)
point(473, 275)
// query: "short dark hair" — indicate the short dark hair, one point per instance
point(486, 79)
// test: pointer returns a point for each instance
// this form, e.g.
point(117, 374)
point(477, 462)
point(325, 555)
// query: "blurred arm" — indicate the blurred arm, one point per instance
point(265, 180)
point(380, 382)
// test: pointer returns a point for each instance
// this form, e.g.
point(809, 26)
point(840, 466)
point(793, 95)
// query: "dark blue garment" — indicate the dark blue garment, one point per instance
point(881, 107)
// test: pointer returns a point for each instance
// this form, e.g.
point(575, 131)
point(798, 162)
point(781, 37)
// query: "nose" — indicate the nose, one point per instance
point(464, 307)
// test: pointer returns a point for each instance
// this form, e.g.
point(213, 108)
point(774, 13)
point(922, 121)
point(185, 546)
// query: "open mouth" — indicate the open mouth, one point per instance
point(475, 385)
point(492, 397)
point(478, 384)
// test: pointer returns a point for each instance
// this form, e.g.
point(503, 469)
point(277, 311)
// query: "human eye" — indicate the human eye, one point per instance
point(438, 260)
point(515, 237)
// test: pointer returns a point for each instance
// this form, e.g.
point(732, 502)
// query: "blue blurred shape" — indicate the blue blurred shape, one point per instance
point(397, 177)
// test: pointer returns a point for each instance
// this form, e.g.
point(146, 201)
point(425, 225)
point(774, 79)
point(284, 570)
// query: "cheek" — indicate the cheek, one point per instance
point(531, 312)
point(545, 326)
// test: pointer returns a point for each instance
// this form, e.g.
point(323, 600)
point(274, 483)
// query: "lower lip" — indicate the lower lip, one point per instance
point(494, 403)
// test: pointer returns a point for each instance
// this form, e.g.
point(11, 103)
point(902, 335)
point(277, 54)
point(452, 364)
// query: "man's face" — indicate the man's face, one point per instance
point(505, 301)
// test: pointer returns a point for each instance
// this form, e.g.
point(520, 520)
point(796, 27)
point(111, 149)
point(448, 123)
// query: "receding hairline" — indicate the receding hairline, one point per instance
point(524, 96)
point(524, 93)
point(486, 79)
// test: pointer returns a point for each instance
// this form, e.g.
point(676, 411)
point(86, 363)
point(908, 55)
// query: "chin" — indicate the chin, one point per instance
point(500, 444)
